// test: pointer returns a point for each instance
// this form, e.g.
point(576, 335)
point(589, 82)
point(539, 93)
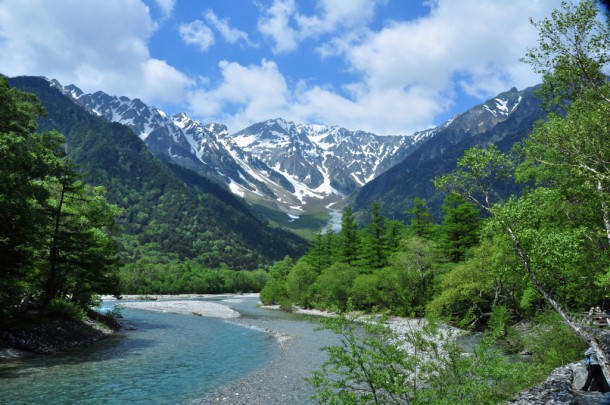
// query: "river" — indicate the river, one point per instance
point(165, 358)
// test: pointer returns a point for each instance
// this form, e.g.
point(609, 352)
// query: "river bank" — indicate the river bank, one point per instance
point(51, 336)
point(292, 352)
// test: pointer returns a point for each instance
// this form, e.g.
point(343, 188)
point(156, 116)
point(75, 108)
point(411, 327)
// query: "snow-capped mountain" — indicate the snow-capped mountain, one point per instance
point(319, 161)
point(296, 168)
point(503, 120)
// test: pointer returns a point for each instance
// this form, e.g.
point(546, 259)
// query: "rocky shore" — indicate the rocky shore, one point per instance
point(561, 387)
point(51, 336)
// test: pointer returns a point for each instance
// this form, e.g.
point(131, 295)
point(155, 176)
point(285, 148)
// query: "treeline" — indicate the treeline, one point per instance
point(57, 241)
point(385, 265)
point(164, 276)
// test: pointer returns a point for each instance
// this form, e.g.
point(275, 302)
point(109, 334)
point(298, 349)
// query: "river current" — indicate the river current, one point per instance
point(166, 358)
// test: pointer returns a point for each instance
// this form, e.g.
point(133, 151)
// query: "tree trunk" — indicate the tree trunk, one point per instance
point(605, 216)
point(583, 334)
point(50, 287)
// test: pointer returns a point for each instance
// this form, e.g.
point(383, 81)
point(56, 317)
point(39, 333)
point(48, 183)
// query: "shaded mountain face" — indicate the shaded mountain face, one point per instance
point(503, 120)
point(169, 211)
point(307, 169)
point(294, 168)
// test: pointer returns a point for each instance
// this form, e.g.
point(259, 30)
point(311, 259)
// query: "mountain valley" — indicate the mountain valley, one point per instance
point(300, 176)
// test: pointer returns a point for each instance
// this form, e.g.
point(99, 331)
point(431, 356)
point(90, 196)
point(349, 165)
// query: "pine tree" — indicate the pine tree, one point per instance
point(421, 223)
point(459, 230)
point(349, 238)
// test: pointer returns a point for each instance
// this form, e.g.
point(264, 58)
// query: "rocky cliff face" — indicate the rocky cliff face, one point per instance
point(277, 163)
point(502, 121)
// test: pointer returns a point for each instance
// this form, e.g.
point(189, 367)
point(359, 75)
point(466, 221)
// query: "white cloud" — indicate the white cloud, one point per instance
point(198, 34)
point(405, 75)
point(166, 6)
point(478, 42)
point(286, 27)
point(400, 78)
point(231, 35)
point(95, 45)
point(276, 25)
point(335, 14)
point(252, 93)
point(201, 35)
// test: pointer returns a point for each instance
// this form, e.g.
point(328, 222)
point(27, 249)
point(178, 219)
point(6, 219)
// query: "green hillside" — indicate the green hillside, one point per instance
point(169, 213)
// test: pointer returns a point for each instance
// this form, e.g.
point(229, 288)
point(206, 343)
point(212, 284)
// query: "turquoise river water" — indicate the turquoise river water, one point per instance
point(165, 358)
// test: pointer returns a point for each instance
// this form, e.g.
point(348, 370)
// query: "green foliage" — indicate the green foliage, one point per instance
point(375, 239)
point(299, 282)
point(349, 237)
point(422, 364)
point(332, 289)
point(477, 175)
point(27, 161)
point(572, 53)
point(551, 342)
point(56, 235)
point(421, 223)
point(274, 292)
point(459, 230)
point(469, 290)
point(412, 273)
point(61, 309)
point(182, 277)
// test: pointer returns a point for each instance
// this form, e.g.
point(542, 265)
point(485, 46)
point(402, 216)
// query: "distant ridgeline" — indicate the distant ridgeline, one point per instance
point(169, 211)
point(503, 120)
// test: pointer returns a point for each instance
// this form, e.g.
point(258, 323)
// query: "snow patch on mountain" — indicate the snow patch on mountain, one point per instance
point(276, 162)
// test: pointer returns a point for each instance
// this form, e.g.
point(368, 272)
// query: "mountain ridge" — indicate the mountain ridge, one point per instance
point(502, 120)
point(169, 211)
point(294, 168)
point(309, 170)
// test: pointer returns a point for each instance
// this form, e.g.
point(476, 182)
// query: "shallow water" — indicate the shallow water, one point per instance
point(283, 381)
point(167, 358)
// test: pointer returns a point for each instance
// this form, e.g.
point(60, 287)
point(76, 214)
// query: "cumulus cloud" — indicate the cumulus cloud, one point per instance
point(479, 42)
point(229, 34)
point(275, 24)
point(284, 25)
point(198, 34)
point(396, 78)
point(245, 95)
point(201, 35)
point(166, 6)
point(96, 45)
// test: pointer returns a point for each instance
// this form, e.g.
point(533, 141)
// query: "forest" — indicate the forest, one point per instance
point(523, 269)
point(57, 235)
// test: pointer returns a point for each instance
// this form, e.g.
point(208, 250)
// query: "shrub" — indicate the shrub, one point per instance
point(67, 310)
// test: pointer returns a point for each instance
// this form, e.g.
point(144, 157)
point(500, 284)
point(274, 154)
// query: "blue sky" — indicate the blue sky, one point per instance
point(385, 66)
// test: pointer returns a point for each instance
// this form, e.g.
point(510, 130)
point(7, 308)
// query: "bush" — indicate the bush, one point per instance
point(61, 309)
point(552, 342)
point(274, 292)
point(421, 365)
